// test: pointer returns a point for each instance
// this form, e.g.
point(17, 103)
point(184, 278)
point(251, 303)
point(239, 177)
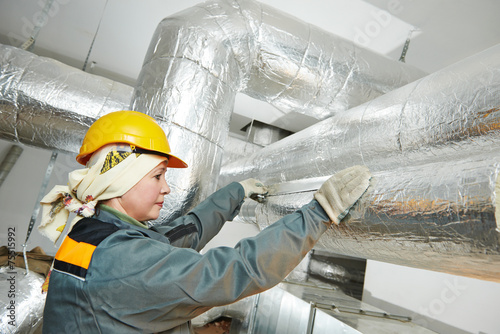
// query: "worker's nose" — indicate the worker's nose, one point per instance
point(165, 189)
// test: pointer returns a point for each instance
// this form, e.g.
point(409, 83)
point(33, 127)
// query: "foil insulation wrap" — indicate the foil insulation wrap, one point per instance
point(272, 56)
point(22, 301)
point(200, 58)
point(434, 148)
point(438, 216)
point(236, 148)
point(193, 100)
point(300, 67)
point(47, 104)
point(453, 112)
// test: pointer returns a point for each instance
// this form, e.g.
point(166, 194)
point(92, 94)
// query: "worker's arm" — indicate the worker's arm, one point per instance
point(200, 225)
point(161, 286)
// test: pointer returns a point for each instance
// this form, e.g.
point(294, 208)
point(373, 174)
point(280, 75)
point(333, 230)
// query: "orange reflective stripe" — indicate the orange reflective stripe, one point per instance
point(74, 252)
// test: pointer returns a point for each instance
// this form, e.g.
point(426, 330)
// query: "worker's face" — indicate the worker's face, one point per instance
point(144, 200)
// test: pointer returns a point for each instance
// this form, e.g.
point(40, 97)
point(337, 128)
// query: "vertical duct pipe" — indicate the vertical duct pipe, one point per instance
point(199, 59)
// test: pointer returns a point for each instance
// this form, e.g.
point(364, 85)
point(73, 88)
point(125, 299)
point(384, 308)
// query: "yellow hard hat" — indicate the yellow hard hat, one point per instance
point(126, 126)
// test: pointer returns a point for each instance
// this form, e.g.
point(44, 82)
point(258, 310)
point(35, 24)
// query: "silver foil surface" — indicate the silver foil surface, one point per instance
point(22, 309)
point(434, 149)
point(453, 111)
point(47, 104)
point(200, 58)
point(438, 216)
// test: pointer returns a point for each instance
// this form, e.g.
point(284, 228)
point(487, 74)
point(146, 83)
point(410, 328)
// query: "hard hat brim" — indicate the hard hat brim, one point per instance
point(130, 127)
point(174, 162)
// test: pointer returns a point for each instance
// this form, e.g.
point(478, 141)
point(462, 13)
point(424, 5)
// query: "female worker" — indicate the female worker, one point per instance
point(112, 274)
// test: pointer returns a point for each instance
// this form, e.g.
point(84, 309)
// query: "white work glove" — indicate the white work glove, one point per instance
point(339, 193)
point(253, 188)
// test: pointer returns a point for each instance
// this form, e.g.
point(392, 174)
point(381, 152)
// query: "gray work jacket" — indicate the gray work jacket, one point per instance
point(111, 276)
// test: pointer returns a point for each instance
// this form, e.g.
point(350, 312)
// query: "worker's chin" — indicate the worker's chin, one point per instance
point(155, 216)
point(152, 216)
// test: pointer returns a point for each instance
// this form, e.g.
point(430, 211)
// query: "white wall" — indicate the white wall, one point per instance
point(19, 192)
point(440, 302)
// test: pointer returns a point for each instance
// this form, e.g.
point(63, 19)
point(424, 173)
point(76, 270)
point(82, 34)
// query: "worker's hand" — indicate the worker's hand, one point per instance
point(254, 189)
point(339, 193)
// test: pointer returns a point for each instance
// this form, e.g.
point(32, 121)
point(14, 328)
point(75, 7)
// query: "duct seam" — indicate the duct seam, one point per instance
point(207, 70)
point(231, 43)
point(16, 100)
point(301, 66)
point(197, 134)
point(402, 111)
point(345, 81)
point(360, 145)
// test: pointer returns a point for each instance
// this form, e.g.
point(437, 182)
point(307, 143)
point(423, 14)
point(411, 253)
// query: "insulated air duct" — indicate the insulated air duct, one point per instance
point(199, 59)
point(439, 216)
point(22, 301)
point(298, 309)
point(47, 104)
point(434, 148)
point(455, 110)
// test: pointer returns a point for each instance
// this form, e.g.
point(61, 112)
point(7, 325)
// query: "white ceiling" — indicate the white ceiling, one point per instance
point(445, 31)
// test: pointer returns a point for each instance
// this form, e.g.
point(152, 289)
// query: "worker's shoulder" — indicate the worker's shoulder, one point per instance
point(92, 231)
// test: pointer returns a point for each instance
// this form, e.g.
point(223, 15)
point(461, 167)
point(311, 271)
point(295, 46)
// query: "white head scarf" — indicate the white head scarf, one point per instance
point(110, 173)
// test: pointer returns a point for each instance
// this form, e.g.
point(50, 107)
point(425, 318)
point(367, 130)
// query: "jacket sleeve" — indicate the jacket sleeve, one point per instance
point(200, 225)
point(158, 286)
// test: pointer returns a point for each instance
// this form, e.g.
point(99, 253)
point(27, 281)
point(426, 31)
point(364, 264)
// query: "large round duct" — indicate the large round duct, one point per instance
point(47, 104)
point(451, 109)
point(438, 216)
point(434, 149)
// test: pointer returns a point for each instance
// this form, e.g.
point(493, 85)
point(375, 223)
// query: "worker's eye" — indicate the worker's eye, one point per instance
point(158, 177)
